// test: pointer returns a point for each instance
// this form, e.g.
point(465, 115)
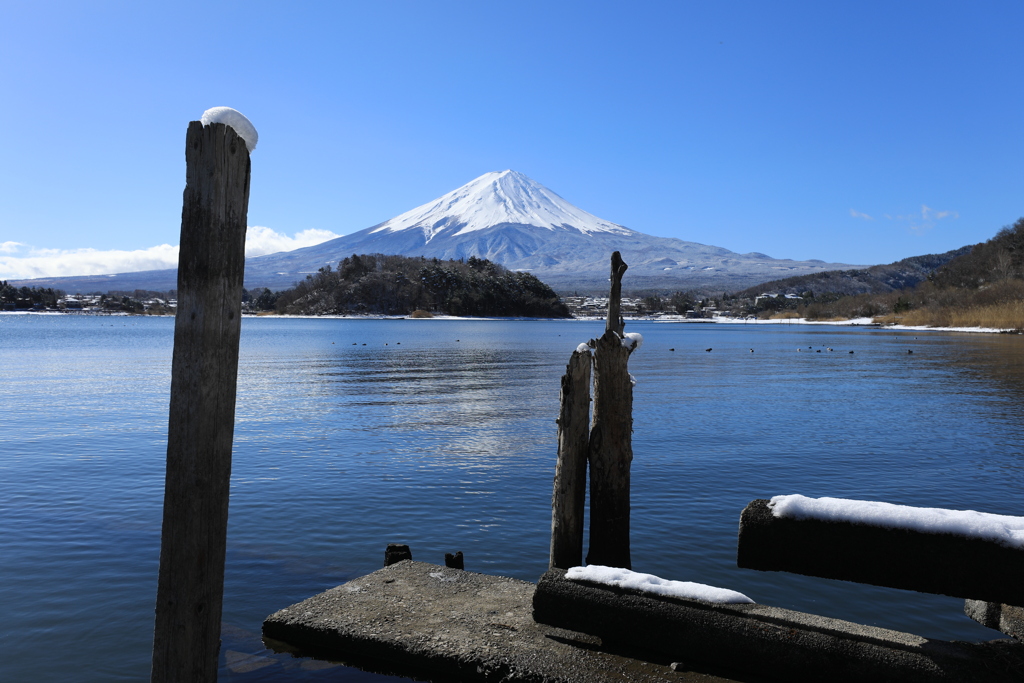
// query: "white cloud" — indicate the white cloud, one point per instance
point(27, 262)
point(929, 214)
point(858, 214)
point(19, 261)
point(923, 223)
point(260, 240)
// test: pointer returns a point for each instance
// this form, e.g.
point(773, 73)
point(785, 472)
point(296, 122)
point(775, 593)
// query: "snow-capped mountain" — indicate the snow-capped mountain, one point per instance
point(505, 198)
point(515, 221)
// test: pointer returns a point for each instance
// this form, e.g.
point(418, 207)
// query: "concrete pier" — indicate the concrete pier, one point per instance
point(436, 623)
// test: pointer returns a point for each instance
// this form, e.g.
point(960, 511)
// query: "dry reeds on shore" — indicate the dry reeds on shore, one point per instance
point(783, 315)
point(1008, 315)
point(995, 305)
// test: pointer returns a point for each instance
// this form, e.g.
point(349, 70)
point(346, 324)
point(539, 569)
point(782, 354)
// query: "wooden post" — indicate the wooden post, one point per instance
point(204, 369)
point(569, 498)
point(615, 321)
point(611, 438)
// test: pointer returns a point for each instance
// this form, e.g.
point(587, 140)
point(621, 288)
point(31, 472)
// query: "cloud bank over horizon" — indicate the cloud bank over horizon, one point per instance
point(20, 261)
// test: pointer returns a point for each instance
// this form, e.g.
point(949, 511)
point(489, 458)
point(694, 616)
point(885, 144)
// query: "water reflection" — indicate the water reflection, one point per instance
point(441, 434)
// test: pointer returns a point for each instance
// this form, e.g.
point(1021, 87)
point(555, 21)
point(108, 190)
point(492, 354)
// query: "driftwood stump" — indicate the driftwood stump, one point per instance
point(204, 369)
point(614, 321)
point(569, 497)
point(607, 446)
point(611, 437)
point(611, 454)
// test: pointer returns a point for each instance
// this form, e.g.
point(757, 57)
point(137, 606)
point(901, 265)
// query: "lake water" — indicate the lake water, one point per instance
point(440, 433)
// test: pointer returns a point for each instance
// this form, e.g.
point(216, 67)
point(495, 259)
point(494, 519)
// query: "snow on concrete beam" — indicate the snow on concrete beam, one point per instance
point(770, 642)
point(943, 562)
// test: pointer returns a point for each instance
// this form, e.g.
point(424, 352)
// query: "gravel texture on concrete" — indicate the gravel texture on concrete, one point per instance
point(764, 640)
point(442, 624)
point(1008, 619)
point(946, 564)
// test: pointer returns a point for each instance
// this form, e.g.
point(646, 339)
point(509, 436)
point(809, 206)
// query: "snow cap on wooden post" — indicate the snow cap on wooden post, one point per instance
point(235, 120)
point(211, 263)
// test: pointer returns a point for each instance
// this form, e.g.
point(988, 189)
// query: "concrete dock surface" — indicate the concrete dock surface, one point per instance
point(434, 623)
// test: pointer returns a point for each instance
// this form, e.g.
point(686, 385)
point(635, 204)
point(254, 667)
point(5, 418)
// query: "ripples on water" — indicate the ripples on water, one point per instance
point(353, 433)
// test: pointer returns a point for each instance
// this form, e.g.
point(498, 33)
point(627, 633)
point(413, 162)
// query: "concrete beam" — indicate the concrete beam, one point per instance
point(1008, 619)
point(945, 564)
point(767, 641)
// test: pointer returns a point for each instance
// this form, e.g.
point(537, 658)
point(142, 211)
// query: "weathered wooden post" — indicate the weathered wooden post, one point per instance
point(614, 321)
point(611, 438)
point(204, 369)
point(569, 497)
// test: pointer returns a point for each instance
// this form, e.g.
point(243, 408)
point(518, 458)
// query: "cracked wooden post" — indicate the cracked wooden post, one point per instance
point(614, 321)
point(186, 640)
point(611, 437)
point(569, 497)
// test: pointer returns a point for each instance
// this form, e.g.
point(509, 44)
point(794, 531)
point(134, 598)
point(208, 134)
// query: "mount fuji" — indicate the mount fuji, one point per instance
point(513, 220)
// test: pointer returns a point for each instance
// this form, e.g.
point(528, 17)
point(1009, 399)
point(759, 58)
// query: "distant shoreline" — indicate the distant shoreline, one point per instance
point(720, 320)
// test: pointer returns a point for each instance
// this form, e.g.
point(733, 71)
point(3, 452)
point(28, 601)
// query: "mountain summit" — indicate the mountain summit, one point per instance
point(493, 199)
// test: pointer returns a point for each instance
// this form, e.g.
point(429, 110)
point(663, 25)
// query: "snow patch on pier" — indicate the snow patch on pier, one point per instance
point(649, 583)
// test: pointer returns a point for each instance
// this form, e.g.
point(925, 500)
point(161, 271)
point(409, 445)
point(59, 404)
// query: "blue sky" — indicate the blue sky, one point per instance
point(857, 132)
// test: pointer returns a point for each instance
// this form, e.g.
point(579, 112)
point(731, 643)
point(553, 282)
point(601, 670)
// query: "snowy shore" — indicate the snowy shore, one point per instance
point(853, 322)
point(718, 320)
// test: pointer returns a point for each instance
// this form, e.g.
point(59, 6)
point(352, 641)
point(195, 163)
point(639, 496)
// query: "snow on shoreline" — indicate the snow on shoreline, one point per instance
point(852, 322)
point(1003, 529)
point(649, 583)
point(855, 322)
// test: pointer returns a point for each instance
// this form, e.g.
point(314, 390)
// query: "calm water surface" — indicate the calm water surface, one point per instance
point(440, 434)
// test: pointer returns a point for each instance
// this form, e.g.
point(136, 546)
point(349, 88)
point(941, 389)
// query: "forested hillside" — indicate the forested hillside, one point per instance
point(399, 285)
point(891, 277)
point(980, 286)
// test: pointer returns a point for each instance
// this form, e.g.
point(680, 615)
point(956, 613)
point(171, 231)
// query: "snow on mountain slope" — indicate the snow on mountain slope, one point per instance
point(506, 197)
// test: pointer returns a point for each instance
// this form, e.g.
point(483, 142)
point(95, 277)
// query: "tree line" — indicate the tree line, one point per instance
point(399, 285)
point(23, 298)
